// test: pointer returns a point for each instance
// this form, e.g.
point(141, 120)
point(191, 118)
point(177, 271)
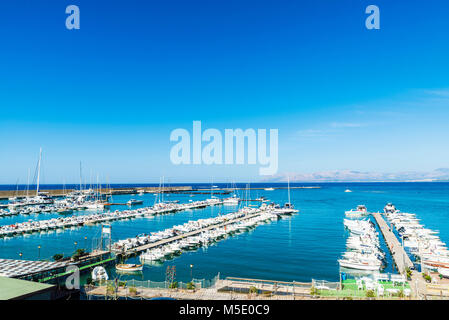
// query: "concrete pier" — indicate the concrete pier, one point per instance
point(401, 259)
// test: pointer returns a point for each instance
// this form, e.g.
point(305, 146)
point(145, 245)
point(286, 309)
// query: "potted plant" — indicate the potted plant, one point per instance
point(58, 256)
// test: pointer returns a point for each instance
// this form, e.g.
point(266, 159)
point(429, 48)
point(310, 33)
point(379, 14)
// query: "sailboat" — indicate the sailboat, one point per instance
point(39, 198)
point(234, 200)
point(288, 206)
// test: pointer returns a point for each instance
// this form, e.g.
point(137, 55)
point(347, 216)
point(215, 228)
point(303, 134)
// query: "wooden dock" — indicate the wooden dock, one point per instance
point(401, 259)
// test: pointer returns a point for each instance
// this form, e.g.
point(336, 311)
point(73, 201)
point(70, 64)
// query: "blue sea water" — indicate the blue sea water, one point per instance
point(302, 247)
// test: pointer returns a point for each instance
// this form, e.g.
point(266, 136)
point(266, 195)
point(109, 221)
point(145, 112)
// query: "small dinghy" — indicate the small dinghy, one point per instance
point(99, 273)
point(129, 267)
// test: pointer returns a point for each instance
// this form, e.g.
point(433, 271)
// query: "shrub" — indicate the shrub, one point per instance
point(58, 256)
point(313, 291)
point(427, 277)
point(253, 290)
point(370, 294)
point(409, 273)
point(132, 291)
point(110, 289)
point(173, 285)
point(190, 286)
point(78, 254)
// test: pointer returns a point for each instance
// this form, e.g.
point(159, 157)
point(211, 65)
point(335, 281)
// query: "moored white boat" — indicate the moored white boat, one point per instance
point(129, 267)
point(99, 273)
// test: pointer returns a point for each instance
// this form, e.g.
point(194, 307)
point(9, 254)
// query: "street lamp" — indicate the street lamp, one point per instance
point(191, 272)
point(85, 242)
point(39, 252)
point(20, 254)
point(76, 243)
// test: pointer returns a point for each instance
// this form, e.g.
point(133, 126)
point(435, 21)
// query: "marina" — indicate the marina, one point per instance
point(186, 238)
point(244, 219)
point(78, 221)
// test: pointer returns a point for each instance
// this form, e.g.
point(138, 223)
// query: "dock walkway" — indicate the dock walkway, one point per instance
point(401, 259)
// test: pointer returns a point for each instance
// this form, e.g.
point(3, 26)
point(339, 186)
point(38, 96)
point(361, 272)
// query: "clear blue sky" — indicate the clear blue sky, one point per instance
point(109, 94)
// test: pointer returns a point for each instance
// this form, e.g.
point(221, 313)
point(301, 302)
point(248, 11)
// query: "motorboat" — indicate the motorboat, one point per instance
point(133, 202)
point(99, 274)
point(360, 211)
point(390, 208)
point(360, 264)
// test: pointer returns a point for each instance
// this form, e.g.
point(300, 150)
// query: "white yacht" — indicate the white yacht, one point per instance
point(360, 264)
point(234, 200)
point(361, 211)
point(99, 273)
point(389, 208)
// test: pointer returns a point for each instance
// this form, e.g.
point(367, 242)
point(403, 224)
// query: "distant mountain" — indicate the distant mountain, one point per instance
point(441, 174)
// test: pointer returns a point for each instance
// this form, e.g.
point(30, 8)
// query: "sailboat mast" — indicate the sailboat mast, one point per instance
point(81, 178)
point(163, 186)
point(38, 171)
point(288, 182)
point(98, 188)
point(28, 182)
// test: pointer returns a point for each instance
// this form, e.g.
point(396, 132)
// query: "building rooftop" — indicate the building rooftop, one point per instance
point(21, 289)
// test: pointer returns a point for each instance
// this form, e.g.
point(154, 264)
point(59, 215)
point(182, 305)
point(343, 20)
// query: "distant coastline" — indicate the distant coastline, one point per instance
point(207, 185)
